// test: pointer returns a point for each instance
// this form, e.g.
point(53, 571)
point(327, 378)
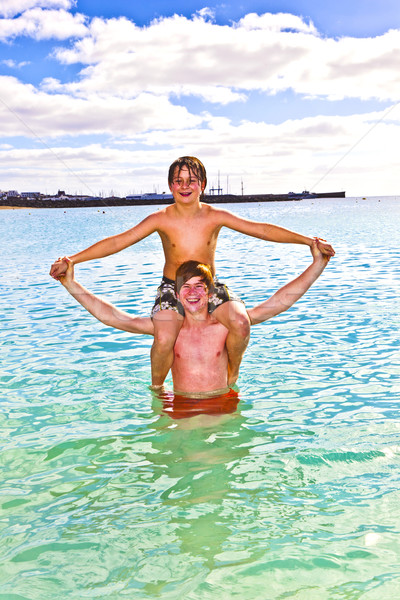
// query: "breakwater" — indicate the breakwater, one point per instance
point(76, 202)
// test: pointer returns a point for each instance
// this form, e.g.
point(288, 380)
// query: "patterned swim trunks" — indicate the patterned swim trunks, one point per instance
point(166, 298)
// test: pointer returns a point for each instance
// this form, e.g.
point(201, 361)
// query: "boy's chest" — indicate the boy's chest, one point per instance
point(205, 345)
point(185, 236)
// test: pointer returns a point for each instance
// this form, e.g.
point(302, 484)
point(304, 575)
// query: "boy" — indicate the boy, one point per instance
point(189, 229)
point(200, 366)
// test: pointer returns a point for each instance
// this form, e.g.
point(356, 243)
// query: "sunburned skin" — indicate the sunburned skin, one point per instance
point(189, 230)
point(200, 355)
point(200, 359)
point(188, 238)
point(200, 364)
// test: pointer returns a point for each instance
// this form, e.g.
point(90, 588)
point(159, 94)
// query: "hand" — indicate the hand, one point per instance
point(69, 275)
point(59, 268)
point(325, 247)
point(317, 253)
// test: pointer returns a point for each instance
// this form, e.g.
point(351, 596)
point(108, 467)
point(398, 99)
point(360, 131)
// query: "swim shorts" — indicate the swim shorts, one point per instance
point(166, 298)
point(181, 406)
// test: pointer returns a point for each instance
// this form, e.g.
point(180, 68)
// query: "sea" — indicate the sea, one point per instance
point(290, 493)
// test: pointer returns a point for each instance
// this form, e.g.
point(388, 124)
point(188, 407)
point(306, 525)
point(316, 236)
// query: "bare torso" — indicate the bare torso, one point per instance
point(188, 237)
point(201, 359)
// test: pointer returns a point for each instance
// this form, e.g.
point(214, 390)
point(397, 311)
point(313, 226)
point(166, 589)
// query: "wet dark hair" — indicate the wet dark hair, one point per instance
point(193, 268)
point(193, 165)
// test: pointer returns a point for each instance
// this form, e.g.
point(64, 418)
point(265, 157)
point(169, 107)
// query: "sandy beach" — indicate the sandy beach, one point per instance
point(17, 208)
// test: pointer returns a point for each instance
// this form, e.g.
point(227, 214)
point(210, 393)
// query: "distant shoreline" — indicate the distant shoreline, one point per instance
point(18, 207)
point(74, 202)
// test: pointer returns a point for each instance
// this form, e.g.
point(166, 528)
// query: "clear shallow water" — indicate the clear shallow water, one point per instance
point(294, 495)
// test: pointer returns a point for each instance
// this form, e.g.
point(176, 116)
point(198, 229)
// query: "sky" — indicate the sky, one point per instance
point(100, 97)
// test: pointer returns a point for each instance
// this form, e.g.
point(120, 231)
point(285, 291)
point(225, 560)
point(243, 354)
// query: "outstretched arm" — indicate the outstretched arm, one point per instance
point(291, 292)
point(271, 233)
point(104, 311)
point(110, 245)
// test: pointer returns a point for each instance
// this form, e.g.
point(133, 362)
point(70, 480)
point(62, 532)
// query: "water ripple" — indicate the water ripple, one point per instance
point(105, 495)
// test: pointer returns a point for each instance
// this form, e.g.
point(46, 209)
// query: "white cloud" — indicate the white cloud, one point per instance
point(14, 65)
point(10, 8)
point(86, 170)
point(42, 24)
point(271, 53)
point(318, 153)
point(177, 55)
point(132, 90)
point(276, 23)
point(29, 112)
point(205, 13)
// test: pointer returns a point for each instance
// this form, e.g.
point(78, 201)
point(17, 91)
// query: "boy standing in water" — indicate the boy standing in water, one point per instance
point(200, 366)
point(189, 230)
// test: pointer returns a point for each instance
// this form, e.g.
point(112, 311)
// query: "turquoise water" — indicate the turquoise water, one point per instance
point(295, 495)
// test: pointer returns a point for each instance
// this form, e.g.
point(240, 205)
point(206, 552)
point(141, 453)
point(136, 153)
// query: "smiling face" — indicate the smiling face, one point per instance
point(193, 295)
point(185, 186)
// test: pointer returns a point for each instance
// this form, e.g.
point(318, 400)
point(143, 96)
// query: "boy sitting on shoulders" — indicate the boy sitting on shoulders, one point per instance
point(200, 365)
point(189, 230)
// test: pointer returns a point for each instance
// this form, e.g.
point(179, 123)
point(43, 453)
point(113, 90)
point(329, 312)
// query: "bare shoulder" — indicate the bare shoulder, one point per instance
point(221, 216)
point(217, 325)
point(218, 332)
point(226, 218)
point(155, 219)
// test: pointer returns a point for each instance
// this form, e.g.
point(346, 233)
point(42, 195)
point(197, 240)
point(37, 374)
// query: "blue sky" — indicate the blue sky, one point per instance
point(359, 18)
point(100, 97)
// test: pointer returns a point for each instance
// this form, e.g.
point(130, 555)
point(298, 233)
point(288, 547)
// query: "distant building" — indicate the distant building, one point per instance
point(219, 191)
point(30, 194)
point(150, 196)
point(12, 194)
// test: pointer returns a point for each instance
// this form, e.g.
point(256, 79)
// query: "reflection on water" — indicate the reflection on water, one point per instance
point(184, 407)
point(290, 491)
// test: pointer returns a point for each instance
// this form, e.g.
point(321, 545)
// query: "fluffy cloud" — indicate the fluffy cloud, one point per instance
point(42, 24)
point(176, 55)
point(92, 169)
point(10, 8)
point(318, 153)
point(14, 65)
point(26, 111)
point(131, 95)
point(272, 53)
point(276, 23)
